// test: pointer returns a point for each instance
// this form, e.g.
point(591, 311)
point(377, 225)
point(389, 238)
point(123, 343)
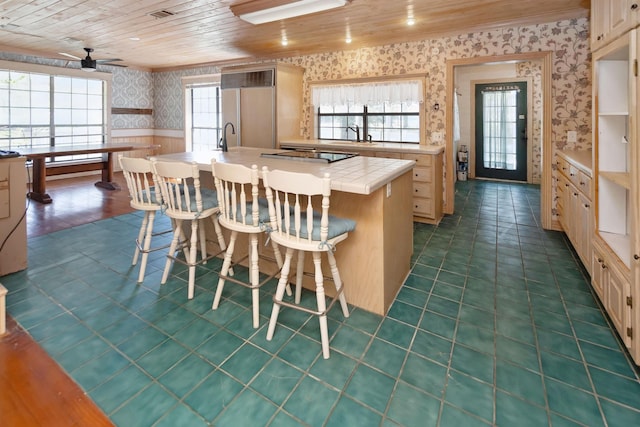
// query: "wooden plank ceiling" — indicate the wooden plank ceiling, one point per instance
point(207, 32)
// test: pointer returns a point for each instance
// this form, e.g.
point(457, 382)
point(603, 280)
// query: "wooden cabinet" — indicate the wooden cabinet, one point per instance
point(611, 19)
point(427, 185)
point(613, 288)
point(616, 179)
point(574, 200)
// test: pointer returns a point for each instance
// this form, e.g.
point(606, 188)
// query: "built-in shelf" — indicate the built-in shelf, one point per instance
point(620, 244)
point(623, 179)
point(613, 113)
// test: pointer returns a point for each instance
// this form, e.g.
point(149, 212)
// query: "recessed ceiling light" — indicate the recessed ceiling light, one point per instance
point(284, 42)
point(411, 21)
point(134, 39)
point(348, 40)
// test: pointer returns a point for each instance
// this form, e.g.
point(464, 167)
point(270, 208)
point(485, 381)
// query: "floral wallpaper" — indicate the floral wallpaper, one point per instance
point(534, 71)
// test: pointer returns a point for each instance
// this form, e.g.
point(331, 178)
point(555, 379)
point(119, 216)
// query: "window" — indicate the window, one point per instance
point(205, 118)
point(387, 111)
point(203, 112)
point(41, 109)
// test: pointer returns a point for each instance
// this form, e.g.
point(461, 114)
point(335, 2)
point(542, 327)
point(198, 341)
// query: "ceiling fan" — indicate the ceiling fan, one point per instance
point(89, 64)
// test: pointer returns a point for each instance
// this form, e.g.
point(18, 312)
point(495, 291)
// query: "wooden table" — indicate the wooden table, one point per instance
point(40, 169)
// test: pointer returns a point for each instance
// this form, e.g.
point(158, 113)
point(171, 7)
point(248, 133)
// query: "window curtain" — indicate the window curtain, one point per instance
point(368, 93)
point(495, 129)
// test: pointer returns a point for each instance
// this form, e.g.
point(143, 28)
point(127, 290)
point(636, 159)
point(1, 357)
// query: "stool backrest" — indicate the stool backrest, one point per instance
point(236, 185)
point(298, 204)
point(179, 184)
point(138, 174)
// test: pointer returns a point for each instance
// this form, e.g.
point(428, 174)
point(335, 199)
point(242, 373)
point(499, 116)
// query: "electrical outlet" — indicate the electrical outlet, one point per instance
point(437, 136)
point(572, 136)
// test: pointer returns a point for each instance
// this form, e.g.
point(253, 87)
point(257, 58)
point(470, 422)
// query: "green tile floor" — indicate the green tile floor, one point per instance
point(496, 325)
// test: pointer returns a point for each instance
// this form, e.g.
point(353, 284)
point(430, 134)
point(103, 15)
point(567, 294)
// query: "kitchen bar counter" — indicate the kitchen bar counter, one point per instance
point(375, 259)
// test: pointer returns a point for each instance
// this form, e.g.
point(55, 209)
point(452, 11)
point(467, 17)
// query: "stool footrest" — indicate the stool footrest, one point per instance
point(308, 310)
point(156, 248)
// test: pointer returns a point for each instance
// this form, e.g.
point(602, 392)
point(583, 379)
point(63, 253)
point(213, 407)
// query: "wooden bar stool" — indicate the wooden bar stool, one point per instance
point(299, 209)
point(242, 211)
point(184, 200)
point(138, 175)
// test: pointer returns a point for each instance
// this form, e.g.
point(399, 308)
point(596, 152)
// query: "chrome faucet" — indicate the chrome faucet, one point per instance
point(223, 141)
point(356, 130)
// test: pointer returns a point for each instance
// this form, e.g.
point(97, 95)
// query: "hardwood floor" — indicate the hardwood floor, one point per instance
point(35, 391)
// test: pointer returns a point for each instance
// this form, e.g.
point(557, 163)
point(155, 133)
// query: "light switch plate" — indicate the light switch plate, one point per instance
point(572, 136)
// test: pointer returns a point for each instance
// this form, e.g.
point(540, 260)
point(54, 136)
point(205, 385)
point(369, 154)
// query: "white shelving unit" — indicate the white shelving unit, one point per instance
point(615, 267)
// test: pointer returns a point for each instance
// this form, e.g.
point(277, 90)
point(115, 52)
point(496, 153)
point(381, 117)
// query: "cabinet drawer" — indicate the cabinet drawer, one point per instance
point(420, 159)
point(423, 174)
point(574, 175)
point(584, 183)
point(422, 189)
point(423, 207)
point(563, 166)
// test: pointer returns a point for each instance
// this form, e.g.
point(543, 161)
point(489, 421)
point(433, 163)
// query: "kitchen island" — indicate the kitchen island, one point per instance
point(374, 260)
point(428, 179)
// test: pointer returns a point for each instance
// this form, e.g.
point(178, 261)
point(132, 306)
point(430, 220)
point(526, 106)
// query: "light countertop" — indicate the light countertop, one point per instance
point(327, 144)
point(581, 158)
point(360, 174)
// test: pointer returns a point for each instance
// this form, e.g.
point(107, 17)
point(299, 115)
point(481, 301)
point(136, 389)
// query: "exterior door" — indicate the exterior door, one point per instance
point(501, 131)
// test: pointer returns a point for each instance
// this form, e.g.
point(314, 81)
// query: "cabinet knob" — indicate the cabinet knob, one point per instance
point(599, 38)
point(586, 206)
point(636, 257)
point(604, 266)
point(634, 6)
point(599, 260)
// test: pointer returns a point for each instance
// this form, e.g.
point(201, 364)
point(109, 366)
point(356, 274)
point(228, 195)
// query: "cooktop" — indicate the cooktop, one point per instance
point(310, 155)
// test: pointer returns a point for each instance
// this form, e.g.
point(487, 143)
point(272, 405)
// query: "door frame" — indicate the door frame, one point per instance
point(472, 142)
point(546, 186)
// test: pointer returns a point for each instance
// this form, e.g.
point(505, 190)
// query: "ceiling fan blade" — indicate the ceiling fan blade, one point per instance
point(68, 55)
point(113, 65)
point(104, 61)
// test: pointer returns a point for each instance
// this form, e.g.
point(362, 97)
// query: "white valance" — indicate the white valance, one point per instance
point(368, 93)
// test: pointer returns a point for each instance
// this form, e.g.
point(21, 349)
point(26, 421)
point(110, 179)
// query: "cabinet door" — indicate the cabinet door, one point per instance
point(231, 113)
point(617, 291)
point(623, 15)
point(599, 22)
point(583, 234)
point(598, 272)
point(257, 117)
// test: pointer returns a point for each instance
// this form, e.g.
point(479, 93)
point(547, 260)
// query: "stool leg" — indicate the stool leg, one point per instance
point(338, 282)
point(221, 244)
point(255, 278)
point(177, 232)
point(278, 256)
point(193, 253)
point(225, 269)
point(141, 233)
point(282, 284)
point(322, 304)
point(203, 243)
point(150, 217)
point(299, 276)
